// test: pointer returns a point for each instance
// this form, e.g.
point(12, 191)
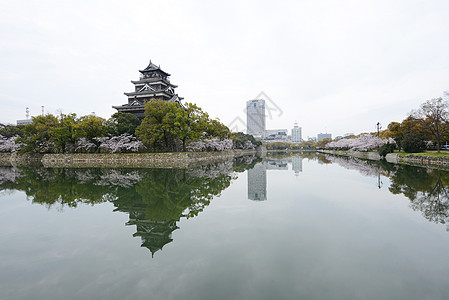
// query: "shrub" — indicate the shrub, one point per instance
point(387, 148)
point(413, 143)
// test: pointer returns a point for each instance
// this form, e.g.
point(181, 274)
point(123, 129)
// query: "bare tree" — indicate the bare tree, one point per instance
point(433, 116)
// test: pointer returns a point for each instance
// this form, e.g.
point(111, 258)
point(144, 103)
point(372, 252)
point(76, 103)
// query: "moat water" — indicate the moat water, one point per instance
point(285, 227)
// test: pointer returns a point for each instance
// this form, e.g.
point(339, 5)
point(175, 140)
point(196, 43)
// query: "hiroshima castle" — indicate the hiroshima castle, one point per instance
point(153, 83)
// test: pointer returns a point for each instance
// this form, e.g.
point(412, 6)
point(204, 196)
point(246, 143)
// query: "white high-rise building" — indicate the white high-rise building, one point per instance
point(255, 118)
point(296, 134)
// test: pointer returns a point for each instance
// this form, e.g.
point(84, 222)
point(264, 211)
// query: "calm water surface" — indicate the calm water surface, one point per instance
point(287, 227)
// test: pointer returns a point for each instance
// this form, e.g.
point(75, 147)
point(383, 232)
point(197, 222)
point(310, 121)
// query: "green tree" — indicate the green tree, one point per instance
point(241, 139)
point(49, 134)
point(217, 129)
point(123, 123)
point(395, 131)
point(385, 149)
point(170, 126)
point(37, 135)
point(11, 130)
point(63, 135)
point(308, 144)
point(413, 143)
point(155, 130)
point(433, 116)
point(398, 131)
point(90, 127)
point(188, 123)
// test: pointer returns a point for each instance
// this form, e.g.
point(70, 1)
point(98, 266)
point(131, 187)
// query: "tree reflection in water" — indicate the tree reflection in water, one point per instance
point(154, 199)
point(427, 189)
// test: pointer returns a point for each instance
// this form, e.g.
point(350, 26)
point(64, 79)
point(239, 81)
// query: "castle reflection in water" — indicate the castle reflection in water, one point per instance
point(257, 176)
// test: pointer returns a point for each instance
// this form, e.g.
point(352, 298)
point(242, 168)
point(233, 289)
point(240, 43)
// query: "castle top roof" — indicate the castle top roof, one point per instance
point(153, 68)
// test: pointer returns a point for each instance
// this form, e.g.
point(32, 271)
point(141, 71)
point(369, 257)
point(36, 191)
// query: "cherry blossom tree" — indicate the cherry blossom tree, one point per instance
point(83, 145)
point(210, 144)
point(364, 142)
point(119, 144)
point(9, 144)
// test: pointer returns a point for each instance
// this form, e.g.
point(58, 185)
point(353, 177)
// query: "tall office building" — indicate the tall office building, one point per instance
point(255, 118)
point(296, 134)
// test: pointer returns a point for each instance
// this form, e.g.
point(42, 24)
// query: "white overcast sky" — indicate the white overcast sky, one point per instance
point(333, 66)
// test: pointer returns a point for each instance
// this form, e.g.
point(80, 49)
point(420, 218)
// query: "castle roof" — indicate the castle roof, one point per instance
point(153, 68)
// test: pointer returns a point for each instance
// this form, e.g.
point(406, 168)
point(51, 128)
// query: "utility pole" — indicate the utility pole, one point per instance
point(379, 127)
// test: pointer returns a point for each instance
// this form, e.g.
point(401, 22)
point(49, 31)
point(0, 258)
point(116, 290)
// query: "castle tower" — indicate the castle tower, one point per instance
point(153, 83)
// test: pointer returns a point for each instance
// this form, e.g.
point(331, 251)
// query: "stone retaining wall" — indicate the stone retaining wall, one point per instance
point(125, 160)
point(422, 161)
point(14, 159)
point(427, 161)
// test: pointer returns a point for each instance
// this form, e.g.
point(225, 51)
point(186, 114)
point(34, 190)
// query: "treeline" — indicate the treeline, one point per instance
point(282, 146)
point(424, 128)
point(167, 127)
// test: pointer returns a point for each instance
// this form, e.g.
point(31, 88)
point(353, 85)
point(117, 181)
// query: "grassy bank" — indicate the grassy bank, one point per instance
point(442, 154)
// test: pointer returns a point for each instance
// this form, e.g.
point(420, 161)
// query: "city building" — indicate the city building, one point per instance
point(296, 134)
point(322, 136)
point(276, 134)
point(255, 118)
point(28, 120)
point(153, 83)
point(24, 122)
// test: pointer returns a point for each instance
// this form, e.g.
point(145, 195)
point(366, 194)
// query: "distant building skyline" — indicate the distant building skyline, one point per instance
point(276, 134)
point(322, 136)
point(256, 125)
